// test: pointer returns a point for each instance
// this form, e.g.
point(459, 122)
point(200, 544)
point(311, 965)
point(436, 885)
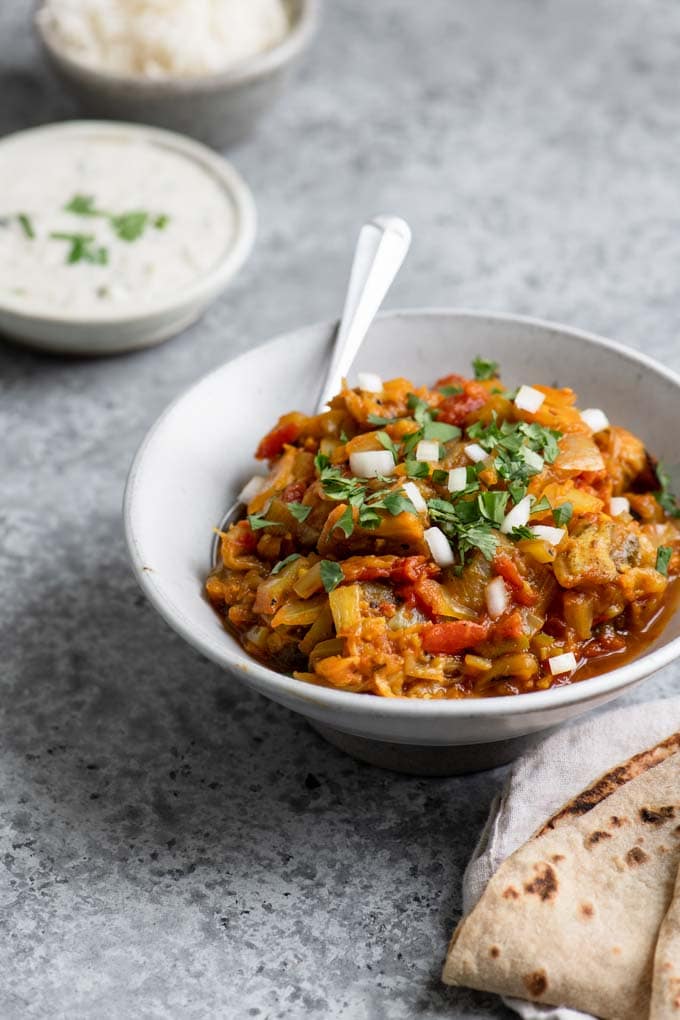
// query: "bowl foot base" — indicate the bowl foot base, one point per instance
point(423, 760)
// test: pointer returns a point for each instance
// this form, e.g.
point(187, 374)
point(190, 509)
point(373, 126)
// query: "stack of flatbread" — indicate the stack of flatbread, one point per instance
point(587, 913)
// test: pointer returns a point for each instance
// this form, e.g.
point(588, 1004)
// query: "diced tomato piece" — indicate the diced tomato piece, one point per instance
point(294, 492)
point(522, 591)
point(451, 638)
point(509, 627)
point(409, 569)
point(274, 441)
point(455, 410)
point(243, 536)
point(451, 380)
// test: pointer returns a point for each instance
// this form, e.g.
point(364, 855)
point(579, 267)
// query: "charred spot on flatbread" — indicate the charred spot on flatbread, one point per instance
point(544, 885)
point(658, 815)
point(536, 983)
point(494, 952)
point(618, 822)
point(635, 856)
point(593, 838)
point(586, 910)
point(556, 858)
point(510, 893)
point(612, 781)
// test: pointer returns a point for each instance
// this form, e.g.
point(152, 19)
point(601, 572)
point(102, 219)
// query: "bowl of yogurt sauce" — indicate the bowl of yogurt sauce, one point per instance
point(114, 236)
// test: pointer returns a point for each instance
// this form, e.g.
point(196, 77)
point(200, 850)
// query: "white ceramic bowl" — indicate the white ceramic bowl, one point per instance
point(117, 330)
point(198, 454)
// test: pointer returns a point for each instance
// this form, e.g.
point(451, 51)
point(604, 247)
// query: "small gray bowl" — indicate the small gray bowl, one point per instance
point(219, 109)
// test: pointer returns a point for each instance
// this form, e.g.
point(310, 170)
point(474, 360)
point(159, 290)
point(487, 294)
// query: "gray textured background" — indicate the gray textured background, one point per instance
point(170, 845)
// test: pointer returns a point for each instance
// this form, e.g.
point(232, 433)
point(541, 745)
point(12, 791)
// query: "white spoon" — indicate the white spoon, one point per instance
point(381, 249)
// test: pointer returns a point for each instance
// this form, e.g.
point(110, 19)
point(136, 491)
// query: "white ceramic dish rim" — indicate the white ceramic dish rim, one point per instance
point(209, 282)
point(365, 704)
point(245, 71)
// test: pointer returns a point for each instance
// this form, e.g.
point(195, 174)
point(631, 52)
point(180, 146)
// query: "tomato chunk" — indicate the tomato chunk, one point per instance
point(451, 638)
point(274, 442)
point(522, 591)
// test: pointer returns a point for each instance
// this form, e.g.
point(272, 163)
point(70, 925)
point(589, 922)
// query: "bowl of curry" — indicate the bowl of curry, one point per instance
point(476, 540)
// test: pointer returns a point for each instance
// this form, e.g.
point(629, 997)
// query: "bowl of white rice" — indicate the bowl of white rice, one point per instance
point(207, 68)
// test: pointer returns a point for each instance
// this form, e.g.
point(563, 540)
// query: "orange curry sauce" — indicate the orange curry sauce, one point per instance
point(448, 542)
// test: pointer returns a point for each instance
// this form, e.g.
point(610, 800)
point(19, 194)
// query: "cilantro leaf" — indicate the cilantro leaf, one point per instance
point(521, 532)
point(299, 511)
point(258, 521)
point(82, 248)
point(130, 226)
point(387, 443)
point(665, 497)
point(422, 412)
point(440, 431)
point(26, 225)
point(397, 503)
point(375, 419)
point(417, 469)
point(562, 514)
point(451, 391)
point(161, 222)
point(82, 205)
point(464, 526)
point(485, 369)
point(540, 506)
point(663, 558)
point(284, 563)
point(440, 477)
point(346, 522)
point(331, 574)
point(492, 505)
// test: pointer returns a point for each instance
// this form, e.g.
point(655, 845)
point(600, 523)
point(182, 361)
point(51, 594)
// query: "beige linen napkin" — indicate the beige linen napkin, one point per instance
point(541, 781)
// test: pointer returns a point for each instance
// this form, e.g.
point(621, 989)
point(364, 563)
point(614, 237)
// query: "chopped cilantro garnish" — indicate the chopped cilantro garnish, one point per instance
point(388, 444)
point(440, 431)
point(82, 249)
point(375, 419)
point(517, 490)
point(331, 574)
point(562, 514)
point(284, 563)
point(346, 522)
point(521, 532)
point(26, 225)
point(451, 391)
point(344, 437)
point(422, 412)
point(418, 469)
point(665, 497)
point(464, 526)
point(485, 369)
point(540, 506)
point(492, 505)
point(161, 222)
point(82, 205)
point(663, 558)
point(440, 477)
point(397, 503)
point(130, 226)
point(321, 462)
point(257, 521)
point(299, 511)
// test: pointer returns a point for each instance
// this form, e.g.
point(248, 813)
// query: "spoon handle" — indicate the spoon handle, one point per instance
point(381, 249)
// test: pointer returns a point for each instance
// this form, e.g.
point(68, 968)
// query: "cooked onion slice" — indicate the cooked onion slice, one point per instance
point(496, 595)
point(476, 453)
point(553, 536)
point(518, 516)
point(369, 382)
point(427, 450)
point(442, 553)
point(595, 418)
point(414, 494)
point(371, 463)
point(618, 505)
point(529, 399)
point(252, 488)
point(562, 663)
point(457, 479)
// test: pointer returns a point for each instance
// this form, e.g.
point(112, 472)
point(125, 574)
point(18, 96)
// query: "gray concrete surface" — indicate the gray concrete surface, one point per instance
point(170, 845)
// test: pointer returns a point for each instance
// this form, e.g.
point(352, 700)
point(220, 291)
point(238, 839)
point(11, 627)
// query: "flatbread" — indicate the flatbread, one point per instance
point(666, 983)
point(573, 916)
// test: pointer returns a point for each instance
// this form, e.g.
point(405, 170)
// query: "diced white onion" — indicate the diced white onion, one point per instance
point(553, 536)
point(618, 505)
point(371, 463)
point(427, 450)
point(533, 459)
point(595, 418)
point(518, 516)
point(252, 488)
point(439, 547)
point(414, 494)
point(369, 382)
point(529, 399)
point(562, 663)
point(475, 452)
point(457, 479)
point(496, 595)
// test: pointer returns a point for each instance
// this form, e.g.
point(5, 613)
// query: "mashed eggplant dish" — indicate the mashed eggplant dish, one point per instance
point(455, 542)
